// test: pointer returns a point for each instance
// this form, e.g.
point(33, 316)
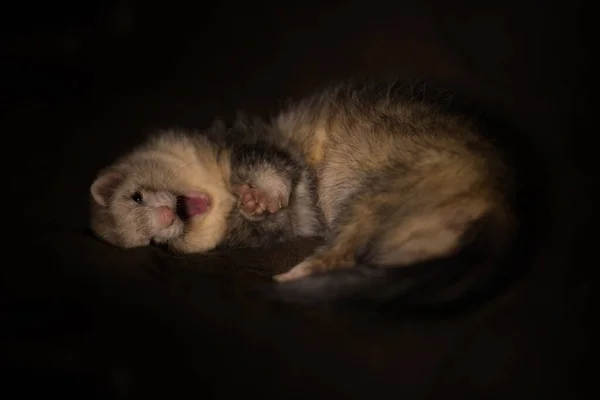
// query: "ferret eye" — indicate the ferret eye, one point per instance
point(137, 197)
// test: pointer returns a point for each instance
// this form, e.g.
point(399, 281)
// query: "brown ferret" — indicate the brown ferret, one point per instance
point(406, 180)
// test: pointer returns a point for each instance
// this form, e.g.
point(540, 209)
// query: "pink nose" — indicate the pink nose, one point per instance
point(165, 216)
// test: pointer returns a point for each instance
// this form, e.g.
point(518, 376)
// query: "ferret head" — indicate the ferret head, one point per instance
point(154, 197)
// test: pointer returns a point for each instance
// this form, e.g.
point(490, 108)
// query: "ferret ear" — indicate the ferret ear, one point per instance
point(104, 186)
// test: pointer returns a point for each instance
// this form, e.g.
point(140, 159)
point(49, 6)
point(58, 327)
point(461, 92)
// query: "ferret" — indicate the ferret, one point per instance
point(418, 196)
point(407, 181)
point(193, 192)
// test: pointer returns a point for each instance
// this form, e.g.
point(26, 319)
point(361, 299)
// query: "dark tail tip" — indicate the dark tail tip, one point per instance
point(446, 285)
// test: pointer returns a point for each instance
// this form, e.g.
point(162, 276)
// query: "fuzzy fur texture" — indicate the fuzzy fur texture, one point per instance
point(174, 165)
point(403, 178)
point(418, 200)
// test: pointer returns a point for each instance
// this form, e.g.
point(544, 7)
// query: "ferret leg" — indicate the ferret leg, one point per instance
point(391, 240)
point(340, 252)
point(349, 236)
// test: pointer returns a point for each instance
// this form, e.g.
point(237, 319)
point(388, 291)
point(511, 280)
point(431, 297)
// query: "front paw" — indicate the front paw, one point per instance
point(256, 202)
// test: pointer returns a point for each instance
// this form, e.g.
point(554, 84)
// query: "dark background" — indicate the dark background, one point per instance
point(82, 81)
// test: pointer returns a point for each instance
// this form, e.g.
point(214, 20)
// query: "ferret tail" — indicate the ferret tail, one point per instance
point(436, 285)
point(460, 281)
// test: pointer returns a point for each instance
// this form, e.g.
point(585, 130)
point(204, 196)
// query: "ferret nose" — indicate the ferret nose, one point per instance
point(165, 215)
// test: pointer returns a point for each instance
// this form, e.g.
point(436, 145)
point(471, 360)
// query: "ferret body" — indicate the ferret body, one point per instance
point(402, 179)
point(418, 201)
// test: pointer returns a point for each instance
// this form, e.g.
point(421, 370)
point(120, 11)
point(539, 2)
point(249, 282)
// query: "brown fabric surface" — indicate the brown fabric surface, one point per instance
point(83, 319)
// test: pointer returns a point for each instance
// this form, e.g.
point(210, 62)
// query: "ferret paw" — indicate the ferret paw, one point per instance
point(317, 264)
point(301, 270)
point(256, 202)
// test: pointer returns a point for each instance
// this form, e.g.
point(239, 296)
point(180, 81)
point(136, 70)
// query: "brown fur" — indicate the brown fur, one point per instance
point(402, 175)
point(401, 178)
